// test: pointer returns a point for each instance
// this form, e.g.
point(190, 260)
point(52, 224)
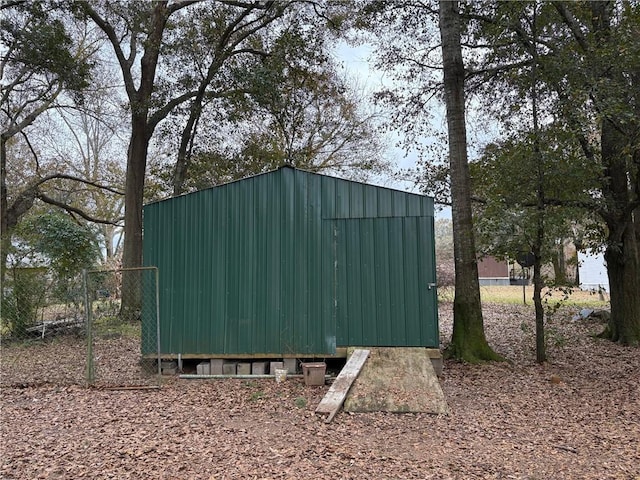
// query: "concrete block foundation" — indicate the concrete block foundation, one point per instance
point(216, 366)
point(229, 368)
point(243, 368)
point(203, 368)
point(274, 365)
point(168, 367)
point(290, 365)
point(259, 368)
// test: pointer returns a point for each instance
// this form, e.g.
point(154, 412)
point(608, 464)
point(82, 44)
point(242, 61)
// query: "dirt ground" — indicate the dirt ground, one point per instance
point(576, 417)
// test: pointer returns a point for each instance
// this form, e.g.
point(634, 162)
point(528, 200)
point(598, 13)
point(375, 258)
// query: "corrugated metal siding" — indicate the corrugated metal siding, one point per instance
point(384, 268)
point(286, 262)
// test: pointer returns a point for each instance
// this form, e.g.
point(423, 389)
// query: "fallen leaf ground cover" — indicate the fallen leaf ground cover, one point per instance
point(576, 417)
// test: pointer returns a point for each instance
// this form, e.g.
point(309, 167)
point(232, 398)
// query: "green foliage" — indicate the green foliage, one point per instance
point(54, 241)
point(41, 45)
point(25, 294)
point(255, 396)
point(585, 56)
point(284, 101)
point(65, 246)
point(505, 179)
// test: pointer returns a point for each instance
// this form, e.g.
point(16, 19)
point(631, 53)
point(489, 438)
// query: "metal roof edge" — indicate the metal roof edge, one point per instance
point(281, 167)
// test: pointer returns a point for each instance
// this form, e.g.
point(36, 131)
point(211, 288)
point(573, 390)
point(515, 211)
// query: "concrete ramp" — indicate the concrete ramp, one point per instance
point(396, 379)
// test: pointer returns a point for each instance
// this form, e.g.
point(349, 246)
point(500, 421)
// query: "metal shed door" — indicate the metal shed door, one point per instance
point(384, 282)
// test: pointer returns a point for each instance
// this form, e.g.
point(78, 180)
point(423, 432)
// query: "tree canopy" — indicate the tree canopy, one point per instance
point(584, 58)
point(205, 92)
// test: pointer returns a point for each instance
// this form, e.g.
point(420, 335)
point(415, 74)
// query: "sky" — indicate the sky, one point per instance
point(357, 65)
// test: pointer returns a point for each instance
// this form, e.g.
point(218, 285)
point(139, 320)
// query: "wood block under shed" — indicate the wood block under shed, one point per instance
point(216, 366)
point(229, 368)
point(258, 368)
point(243, 368)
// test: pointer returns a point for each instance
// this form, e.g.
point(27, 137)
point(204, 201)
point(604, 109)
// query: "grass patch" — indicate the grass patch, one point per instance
point(255, 396)
point(552, 297)
point(113, 327)
point(300, 402)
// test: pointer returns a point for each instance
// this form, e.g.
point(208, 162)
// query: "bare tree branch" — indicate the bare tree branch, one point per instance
point(64, 176)
point(573, 25)
point(75, 210)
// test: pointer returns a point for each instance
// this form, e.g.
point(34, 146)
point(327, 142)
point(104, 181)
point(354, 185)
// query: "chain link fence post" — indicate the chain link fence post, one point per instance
point(88, 307)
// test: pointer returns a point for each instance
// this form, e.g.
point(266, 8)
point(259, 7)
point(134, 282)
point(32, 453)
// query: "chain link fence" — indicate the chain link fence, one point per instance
point(42, 328)
point(86, 330)
point(122, 320)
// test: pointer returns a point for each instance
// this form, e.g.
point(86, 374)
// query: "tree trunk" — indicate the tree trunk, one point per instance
point(134, 199)
point(559, 263)
point(468, 341)
point(141, 131)
point(623, 268)
point(134, 194)
point(577, 243)
point(5, 238)
point(183, 159)
point(108, 233)
point(541, 353)
point(622, 255)
point(538, 283)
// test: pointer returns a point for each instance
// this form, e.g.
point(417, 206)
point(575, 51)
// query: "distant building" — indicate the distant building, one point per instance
point(593, 271)
point(492, 271)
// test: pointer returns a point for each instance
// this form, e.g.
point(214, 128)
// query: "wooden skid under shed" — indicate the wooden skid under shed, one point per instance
point(334, 398)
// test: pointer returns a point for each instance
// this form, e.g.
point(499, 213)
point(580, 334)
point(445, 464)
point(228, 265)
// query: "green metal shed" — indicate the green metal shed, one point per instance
point(292, 263)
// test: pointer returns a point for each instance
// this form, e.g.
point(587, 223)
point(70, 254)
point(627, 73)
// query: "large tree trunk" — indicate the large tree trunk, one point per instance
point(468, 341)
point(134, 199)
point(624, 282)
point(5, 239)
point(622, 255)
point(141, 131)
point(134, 195)
point(558, 259)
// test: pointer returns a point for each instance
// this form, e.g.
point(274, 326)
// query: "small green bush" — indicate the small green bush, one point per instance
point(23, 298)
